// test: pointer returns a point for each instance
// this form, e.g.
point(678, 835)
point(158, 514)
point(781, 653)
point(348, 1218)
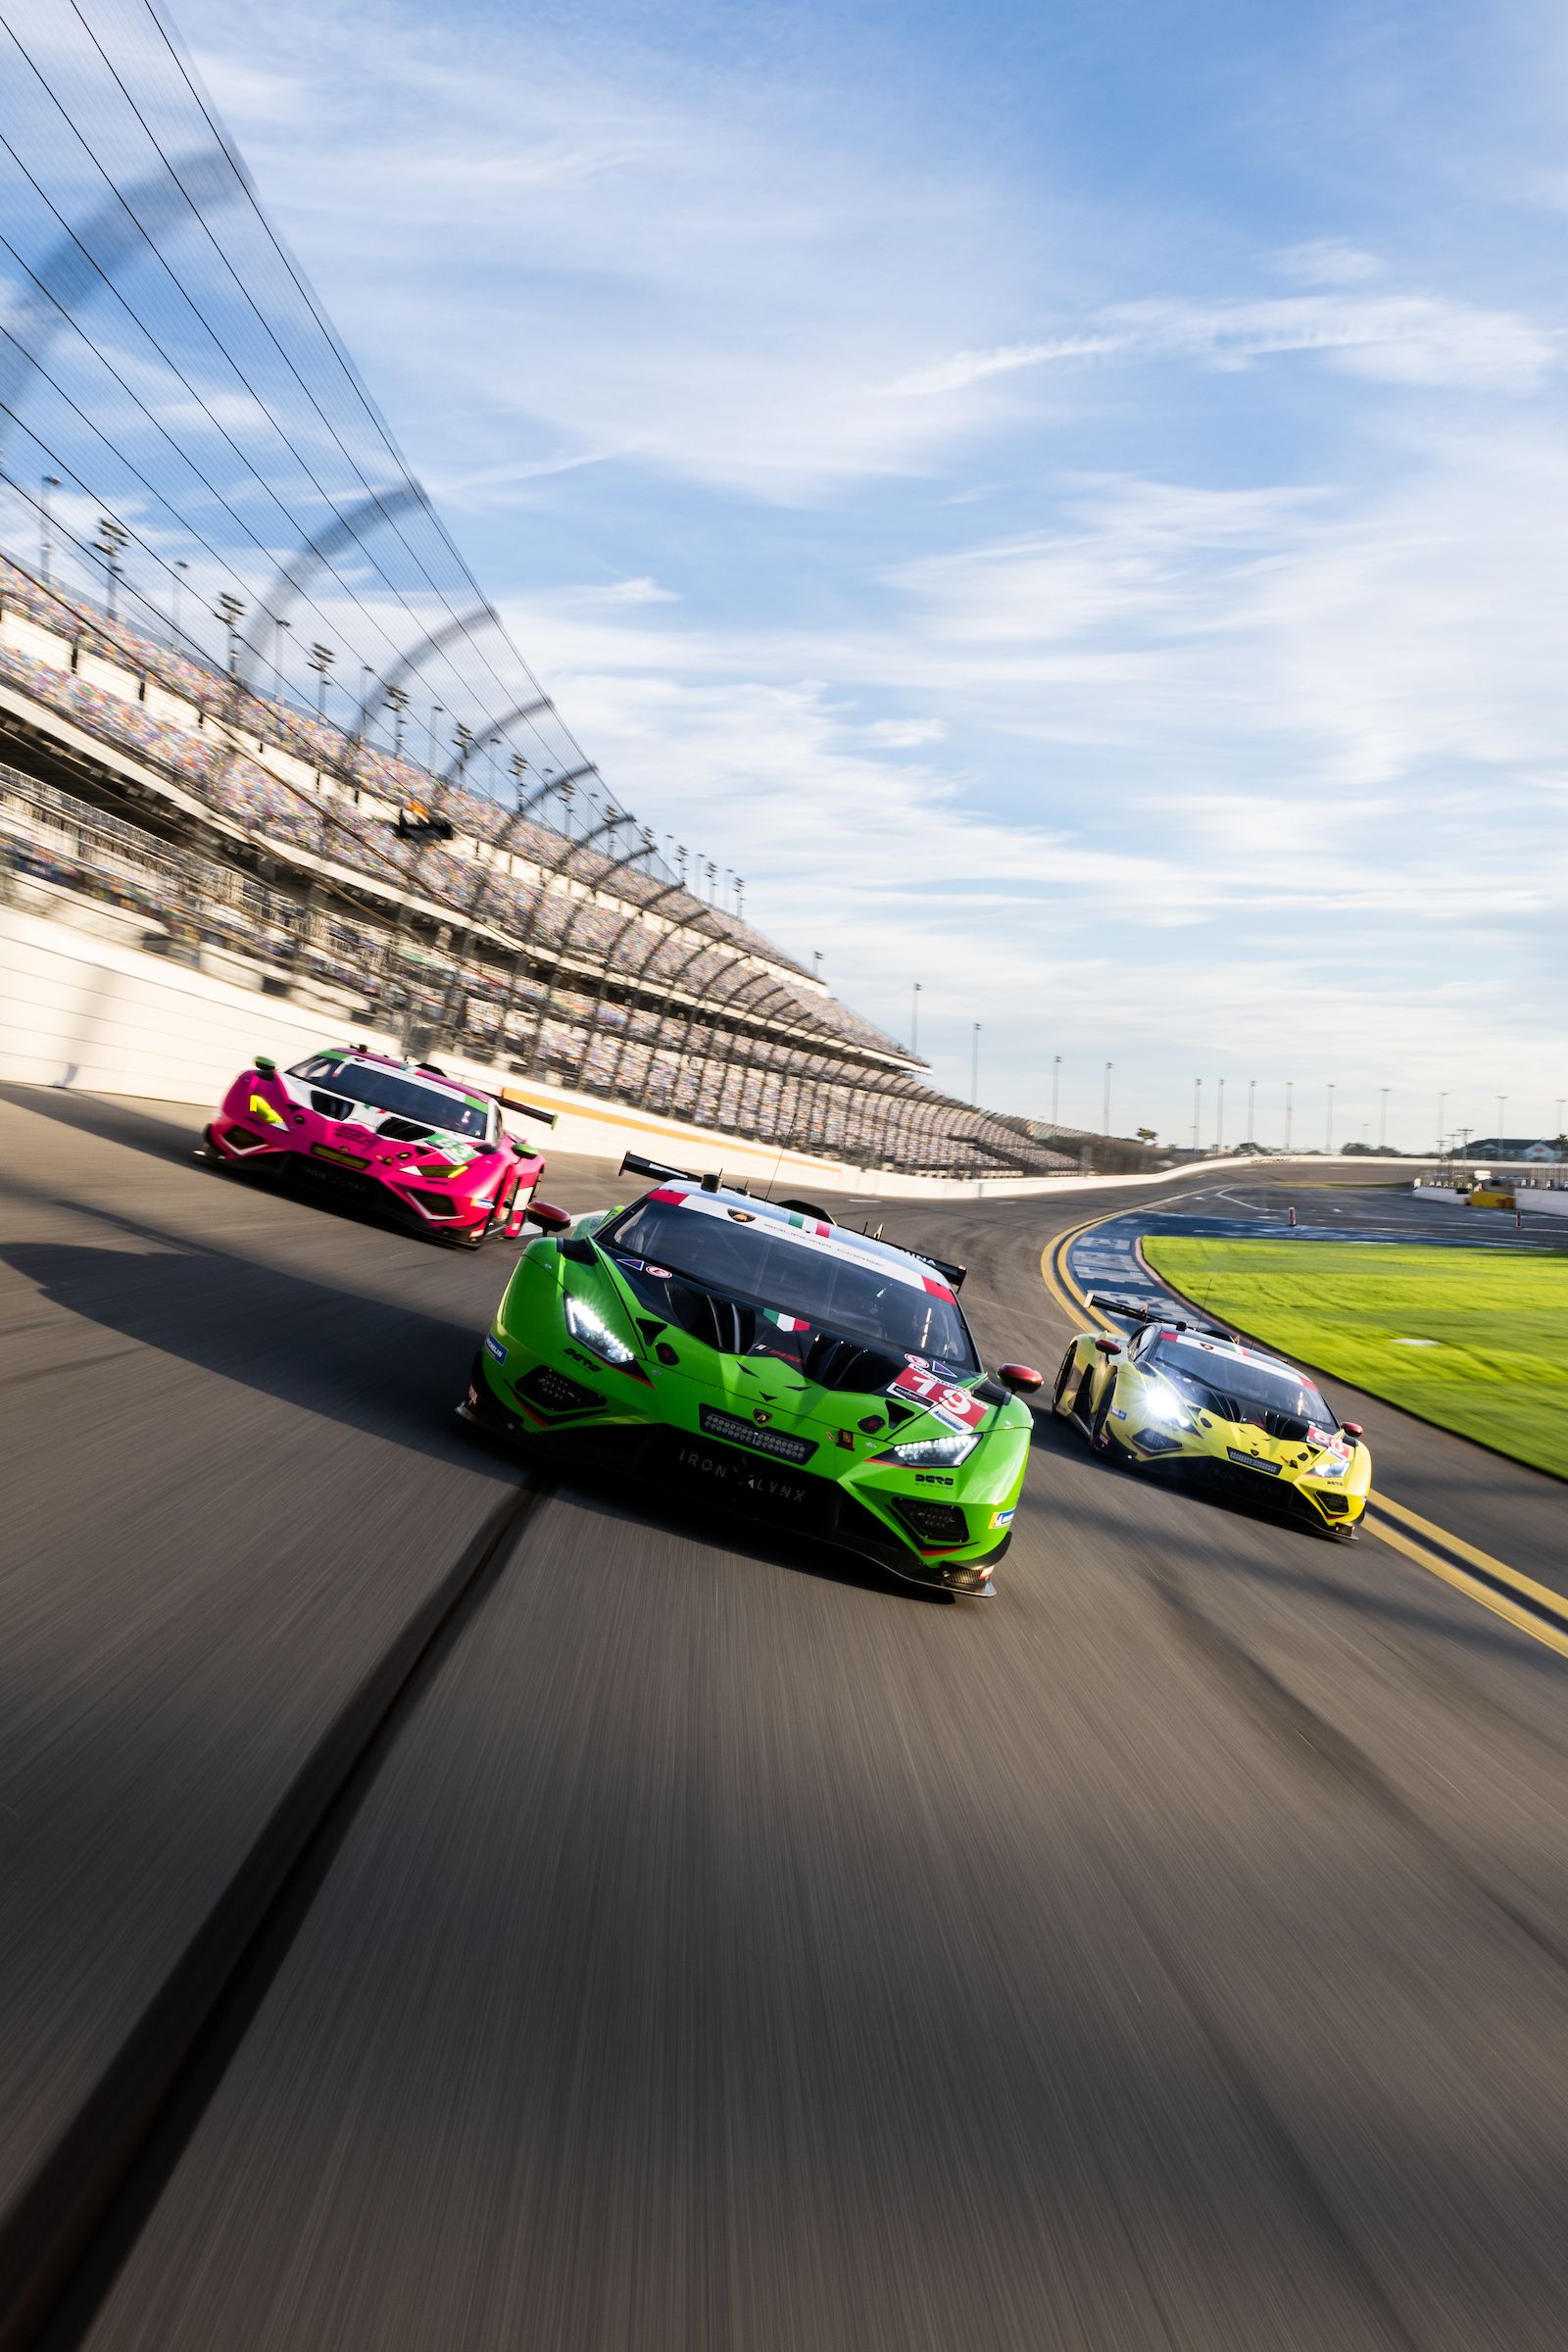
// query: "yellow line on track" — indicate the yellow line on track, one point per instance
point(1406, 1537)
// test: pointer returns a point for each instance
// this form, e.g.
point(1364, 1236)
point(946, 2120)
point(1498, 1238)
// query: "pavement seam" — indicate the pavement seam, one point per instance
point(64, 2235)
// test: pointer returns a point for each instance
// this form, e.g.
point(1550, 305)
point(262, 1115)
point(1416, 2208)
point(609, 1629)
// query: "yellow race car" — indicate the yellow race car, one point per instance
point(1175, 1393)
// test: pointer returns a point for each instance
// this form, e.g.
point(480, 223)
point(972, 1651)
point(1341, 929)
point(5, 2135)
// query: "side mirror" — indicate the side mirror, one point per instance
point(1109, 1345)
point(265, 1067)
point(548, 1219)
point(1020, 1376)
point(1351, 1429)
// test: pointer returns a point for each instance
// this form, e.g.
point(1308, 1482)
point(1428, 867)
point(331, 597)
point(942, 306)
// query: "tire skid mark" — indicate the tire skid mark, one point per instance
point(67, 2232)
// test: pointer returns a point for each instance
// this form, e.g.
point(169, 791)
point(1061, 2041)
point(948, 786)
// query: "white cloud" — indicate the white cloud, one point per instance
point(962, 369)
point(1326, 262)
point(1404, 339)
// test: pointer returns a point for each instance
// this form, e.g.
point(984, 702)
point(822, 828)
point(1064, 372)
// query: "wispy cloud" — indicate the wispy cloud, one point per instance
point(1124, 588)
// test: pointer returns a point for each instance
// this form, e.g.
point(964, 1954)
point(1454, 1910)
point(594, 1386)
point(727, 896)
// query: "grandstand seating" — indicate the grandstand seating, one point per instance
point(545, 950)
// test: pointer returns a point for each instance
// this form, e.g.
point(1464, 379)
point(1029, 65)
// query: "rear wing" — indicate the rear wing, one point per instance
point(712, 1181)
point(1129, 1311)
point(514, 1102)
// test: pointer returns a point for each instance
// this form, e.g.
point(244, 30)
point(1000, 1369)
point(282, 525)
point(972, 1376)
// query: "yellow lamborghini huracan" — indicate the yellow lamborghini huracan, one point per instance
point(1176, 1393)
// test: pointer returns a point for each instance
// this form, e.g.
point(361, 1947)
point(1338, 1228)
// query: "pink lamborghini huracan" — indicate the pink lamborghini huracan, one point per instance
point(400, 1134)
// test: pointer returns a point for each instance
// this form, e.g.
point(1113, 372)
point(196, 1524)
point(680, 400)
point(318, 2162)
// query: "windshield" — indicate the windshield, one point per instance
point(745, 1261)
point(387, 1090)
point(1274, 1386)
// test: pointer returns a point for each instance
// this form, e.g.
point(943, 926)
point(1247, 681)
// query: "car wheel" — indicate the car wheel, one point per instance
point(1058, 1394)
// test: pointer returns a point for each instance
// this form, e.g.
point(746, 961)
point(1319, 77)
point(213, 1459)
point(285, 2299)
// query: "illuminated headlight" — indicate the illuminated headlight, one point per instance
point(936, 1452)
point(1329, 1469)
point(587, 1324)
point(1164, 1407)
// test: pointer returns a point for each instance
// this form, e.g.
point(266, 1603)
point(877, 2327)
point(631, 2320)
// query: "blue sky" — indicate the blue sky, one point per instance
point(1069, 501)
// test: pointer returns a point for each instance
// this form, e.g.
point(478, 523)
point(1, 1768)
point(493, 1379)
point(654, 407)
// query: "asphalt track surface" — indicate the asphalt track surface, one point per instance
point(691, 1943)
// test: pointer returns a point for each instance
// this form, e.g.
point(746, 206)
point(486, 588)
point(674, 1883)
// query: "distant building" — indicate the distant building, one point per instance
point(1513, 1147)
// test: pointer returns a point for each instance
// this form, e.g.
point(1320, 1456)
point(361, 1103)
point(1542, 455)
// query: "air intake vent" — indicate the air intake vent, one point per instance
point(937, 1525)
point(722, 1323)
point(846, 1364)
point(330, 1106)
point(551, 1391)
point(405, 1131)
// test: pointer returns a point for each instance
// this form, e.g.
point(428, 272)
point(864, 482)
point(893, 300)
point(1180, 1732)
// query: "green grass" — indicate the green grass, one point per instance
point(1499, 1371)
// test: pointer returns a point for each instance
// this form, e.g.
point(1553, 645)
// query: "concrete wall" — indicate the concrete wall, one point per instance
point(103, 1016)
point(1536, 1202)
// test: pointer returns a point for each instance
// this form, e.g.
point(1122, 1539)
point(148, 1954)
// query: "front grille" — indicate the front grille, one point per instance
point(339, 1159)
point(1335, 1505)
point(1253, 1461)
point(1157, 1440)
point(553, 1393)
point(242, 1140)
point(775, 1442)
point(404, 1131)
point(933, 1522)
point(330, 1106)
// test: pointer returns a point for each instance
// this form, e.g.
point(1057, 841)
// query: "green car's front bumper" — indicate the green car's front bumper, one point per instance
point(749, 1435)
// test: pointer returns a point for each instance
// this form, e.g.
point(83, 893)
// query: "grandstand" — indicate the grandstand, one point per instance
point(185, 432)
point(229, 827)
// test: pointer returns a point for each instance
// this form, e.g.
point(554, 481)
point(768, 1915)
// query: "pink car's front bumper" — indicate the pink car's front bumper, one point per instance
point(259, 1125)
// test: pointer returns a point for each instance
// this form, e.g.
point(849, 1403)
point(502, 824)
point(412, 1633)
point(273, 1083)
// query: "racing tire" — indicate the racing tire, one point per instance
point(1058, 1394)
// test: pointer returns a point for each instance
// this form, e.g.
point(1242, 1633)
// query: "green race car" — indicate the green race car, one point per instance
point(1183, 1395)
point(755, 1353)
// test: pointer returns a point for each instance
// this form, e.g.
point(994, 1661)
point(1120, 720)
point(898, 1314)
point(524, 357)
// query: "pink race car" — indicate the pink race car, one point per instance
point(400, 1134)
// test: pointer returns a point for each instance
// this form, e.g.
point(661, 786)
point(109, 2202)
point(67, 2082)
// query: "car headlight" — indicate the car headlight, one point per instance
point(1332, 1468)
point(587, 1324)
point(944, 1452)
point(1164, 1407)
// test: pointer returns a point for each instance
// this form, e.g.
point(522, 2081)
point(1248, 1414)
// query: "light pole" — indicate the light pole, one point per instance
point(974, 1068)
point(1560, 1101)
point(1056, 1086)
point(1289, 1087)
point(279, 624)
point(1104, 1116)
point(914, 1018)
point(322, 660)
point(816, 963)
point(1502, 1105)
point(1251, 1097)
point(112, 537)
point(1197, 1107)
point(1383, 1118)
point(1328, 1137)
point(1443, 1102)
point(437, 710)
point(230, 612)
point(180, 569)
point(46, 551)
point(397, 702)
point(1220, 1120)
